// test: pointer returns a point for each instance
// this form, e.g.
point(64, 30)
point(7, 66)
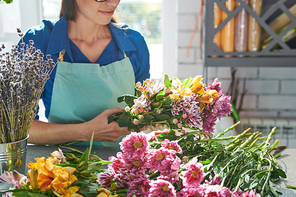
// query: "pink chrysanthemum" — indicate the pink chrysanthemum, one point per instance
point(117, 162)
point(250, 194)
point(194, 174)
point(161, 188)
point(138, 164)
point(139, 187)
point(134, 145)
point(172, 145)
point(163, 160)
point(105, 179)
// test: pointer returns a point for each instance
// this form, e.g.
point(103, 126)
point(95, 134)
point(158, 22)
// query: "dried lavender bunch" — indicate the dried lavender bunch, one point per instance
point(23, 74)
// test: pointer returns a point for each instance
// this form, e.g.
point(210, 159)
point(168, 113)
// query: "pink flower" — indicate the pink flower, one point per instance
point(163, 160)
point(175, 121)
point(146, 110)
point(59, 155)
point(141, 117)
point(135, 111)
point(161, 188)
point(180, 125)
point(105, 179)
point(250, 194)
point(127, 109)
point(172, 145)
point(140, 102)
point(117, 162)
point(138, 165)
point(134, 145)
point(139, 186)
point(136, 122)
point(13, 177)
point(194, 174)
point(138, 84)
point(140, 88)
point(141, 110)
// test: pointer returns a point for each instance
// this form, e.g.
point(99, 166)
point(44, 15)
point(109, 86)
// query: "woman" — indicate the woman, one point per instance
point(103, 60)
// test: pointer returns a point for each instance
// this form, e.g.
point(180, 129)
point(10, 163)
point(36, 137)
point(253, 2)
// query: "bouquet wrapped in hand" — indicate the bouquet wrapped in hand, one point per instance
point(177, 104)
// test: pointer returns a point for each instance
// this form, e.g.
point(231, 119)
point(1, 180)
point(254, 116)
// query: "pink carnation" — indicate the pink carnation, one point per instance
point(194, 174)
point(161, 188)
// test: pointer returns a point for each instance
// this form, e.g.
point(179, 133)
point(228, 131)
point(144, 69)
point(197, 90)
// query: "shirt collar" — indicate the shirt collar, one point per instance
point(120, 37)
point(59, 39)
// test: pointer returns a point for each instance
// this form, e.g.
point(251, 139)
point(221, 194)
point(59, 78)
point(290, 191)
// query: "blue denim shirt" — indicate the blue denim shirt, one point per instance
point(51, 37)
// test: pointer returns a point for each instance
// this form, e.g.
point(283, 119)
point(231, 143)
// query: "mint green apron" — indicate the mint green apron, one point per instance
point(81, 91)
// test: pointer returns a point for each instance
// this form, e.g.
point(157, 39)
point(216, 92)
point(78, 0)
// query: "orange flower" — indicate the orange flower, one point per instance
point(71, 192)
point(45, 175)
point(207, 98)
point(196, 85)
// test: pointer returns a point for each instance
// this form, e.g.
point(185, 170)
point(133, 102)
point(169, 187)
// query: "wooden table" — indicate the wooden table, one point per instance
point(287, 161)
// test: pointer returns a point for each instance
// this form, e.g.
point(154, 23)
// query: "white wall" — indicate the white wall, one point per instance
point(19, 14)
point(271, 91)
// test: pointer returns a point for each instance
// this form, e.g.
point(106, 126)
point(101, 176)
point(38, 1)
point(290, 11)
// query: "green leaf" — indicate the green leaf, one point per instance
point(161, 117)
point(167, 81)
point(282, 173)
point(129, 99)
point(124, 120)
point(255, 156)
point(112, 118)
point(161, 94)
point(27, 194)
point(186, 82)
point(290, 186)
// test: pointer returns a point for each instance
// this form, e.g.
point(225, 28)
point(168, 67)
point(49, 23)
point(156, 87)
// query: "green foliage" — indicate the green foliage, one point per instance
point(247, 166)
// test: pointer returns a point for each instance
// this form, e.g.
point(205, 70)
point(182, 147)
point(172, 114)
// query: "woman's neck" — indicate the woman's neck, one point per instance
point(87, 31)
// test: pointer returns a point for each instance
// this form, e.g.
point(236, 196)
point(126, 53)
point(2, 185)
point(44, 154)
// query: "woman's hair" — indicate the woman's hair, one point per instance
point(68, 10)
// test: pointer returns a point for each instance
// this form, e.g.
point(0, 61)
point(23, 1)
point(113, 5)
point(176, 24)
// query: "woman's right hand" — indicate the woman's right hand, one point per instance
point(102, 130)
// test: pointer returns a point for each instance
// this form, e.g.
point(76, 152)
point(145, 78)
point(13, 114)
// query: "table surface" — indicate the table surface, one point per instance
point(286, 161)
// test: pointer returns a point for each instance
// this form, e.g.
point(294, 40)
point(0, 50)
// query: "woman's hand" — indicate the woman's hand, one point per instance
point(102, 130)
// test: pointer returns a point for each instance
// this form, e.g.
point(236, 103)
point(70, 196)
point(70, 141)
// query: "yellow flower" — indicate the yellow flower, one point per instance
point(179, 89)
point(71, 192)
point(196, 85)
point(207, 98)
point(104, 193)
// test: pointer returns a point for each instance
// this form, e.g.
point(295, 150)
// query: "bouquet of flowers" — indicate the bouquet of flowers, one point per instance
point(23, 74)
point(189, 165)
point(177, 104)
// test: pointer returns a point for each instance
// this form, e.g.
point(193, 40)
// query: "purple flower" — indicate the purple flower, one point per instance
point(194, 174)
point(189, 108)
point(161, 188)
point(134, 145)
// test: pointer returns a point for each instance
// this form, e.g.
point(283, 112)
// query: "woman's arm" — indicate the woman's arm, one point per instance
point(49, 133)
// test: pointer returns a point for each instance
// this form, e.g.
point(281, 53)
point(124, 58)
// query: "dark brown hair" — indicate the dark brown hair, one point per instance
point(68, 10)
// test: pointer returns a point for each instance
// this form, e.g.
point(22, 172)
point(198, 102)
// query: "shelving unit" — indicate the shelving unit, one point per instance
point(213, 56)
